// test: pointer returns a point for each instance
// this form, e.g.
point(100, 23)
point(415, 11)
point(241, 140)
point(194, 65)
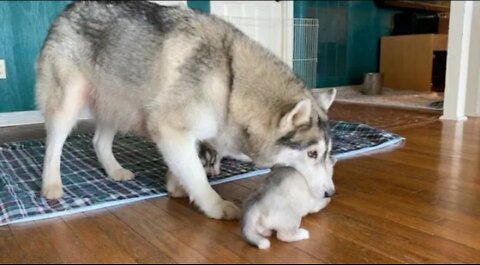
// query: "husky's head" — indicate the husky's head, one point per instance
point(303, 142)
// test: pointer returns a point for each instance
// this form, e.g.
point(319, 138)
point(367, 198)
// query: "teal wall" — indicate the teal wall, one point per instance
point(349, 38)
point(200, 5)
point(23, 28)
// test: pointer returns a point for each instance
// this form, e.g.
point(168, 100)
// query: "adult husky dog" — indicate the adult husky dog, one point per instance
point(177, 77)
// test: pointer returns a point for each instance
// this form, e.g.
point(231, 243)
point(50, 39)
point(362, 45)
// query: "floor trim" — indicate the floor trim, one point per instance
point(30, 117)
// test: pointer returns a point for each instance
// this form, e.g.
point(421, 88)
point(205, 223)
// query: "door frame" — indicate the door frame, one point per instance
point(462, 83)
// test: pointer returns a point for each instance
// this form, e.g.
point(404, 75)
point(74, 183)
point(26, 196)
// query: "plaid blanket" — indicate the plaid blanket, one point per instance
point(86, 186)
point(352, 139)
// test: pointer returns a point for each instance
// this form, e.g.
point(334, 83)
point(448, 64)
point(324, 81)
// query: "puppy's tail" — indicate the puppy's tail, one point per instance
point(250, 230)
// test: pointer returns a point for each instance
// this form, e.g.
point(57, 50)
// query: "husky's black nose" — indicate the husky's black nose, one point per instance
point(329, 194)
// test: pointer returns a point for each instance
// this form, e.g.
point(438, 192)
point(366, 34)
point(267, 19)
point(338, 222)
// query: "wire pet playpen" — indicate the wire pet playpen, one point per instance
point(293, 40)
point(305, 47)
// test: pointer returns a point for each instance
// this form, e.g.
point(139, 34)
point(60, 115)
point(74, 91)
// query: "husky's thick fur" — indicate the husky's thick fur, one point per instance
point(278, 206)
point(210, 161)
point(177, 77)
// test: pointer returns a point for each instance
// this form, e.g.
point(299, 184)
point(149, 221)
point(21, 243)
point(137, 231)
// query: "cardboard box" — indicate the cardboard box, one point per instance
point(406, 62)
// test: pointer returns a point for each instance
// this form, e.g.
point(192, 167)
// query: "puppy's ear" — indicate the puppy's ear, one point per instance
point(298, 115)
point(326, 98)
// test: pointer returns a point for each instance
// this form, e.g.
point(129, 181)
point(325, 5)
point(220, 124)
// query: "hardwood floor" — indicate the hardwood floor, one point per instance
point(417, 203)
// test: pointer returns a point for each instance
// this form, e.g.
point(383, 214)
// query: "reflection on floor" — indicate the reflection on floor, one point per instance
point(404, 99)
point(381, 117)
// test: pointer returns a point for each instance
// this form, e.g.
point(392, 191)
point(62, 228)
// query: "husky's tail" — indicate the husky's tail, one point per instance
point(250, 222)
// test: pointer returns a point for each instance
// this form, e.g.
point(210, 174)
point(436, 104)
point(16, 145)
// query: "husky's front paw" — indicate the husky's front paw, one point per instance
point(122, 175)
point(52, 192)
point(224, 210)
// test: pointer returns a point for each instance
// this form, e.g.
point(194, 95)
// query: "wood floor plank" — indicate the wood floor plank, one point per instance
point(327, 246)
point(102, 247)
point(203, 243)
point(411, 191)
point(434, 248)
point(189, 234)
point(68, 246)
point(368, 235)
point(159, 237)
point(414, 210)
point(35, 247)
point(10, 251)
point(228, 234)
point(134, 244)
point(439, 229)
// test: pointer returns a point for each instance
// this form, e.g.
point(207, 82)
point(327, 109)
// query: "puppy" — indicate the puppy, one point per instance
point(210, 159)
point(279, 205)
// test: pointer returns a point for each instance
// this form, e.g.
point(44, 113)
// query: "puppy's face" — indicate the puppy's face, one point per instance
point(210, 159)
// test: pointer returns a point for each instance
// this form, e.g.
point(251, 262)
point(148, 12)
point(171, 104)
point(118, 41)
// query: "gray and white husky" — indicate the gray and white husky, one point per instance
point(278, 206)
point(177, 77)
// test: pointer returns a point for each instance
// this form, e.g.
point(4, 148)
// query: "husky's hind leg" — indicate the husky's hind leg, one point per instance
point(61, 103)
point(102, 142)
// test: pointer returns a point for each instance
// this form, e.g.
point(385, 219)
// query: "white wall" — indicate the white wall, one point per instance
point(268, 22)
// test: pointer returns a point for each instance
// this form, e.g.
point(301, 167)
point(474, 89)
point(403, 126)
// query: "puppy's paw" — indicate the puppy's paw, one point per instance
point(302, 234)
point(264, 244)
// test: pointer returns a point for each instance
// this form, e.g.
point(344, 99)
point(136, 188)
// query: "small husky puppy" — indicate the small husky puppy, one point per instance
point(279, 205)
point(210, 159)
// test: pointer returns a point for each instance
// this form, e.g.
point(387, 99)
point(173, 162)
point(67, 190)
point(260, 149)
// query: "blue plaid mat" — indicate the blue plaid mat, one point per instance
point(87, 188)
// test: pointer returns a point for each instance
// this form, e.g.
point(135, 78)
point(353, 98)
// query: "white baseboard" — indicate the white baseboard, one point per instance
point(30, 117)
point(454, 118)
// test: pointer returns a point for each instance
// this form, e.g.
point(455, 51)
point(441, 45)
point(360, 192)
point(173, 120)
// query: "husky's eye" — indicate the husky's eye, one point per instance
point(312, 154)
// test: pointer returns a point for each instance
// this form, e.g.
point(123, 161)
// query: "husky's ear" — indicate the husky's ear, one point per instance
point(326, 98)
point(300, 114)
